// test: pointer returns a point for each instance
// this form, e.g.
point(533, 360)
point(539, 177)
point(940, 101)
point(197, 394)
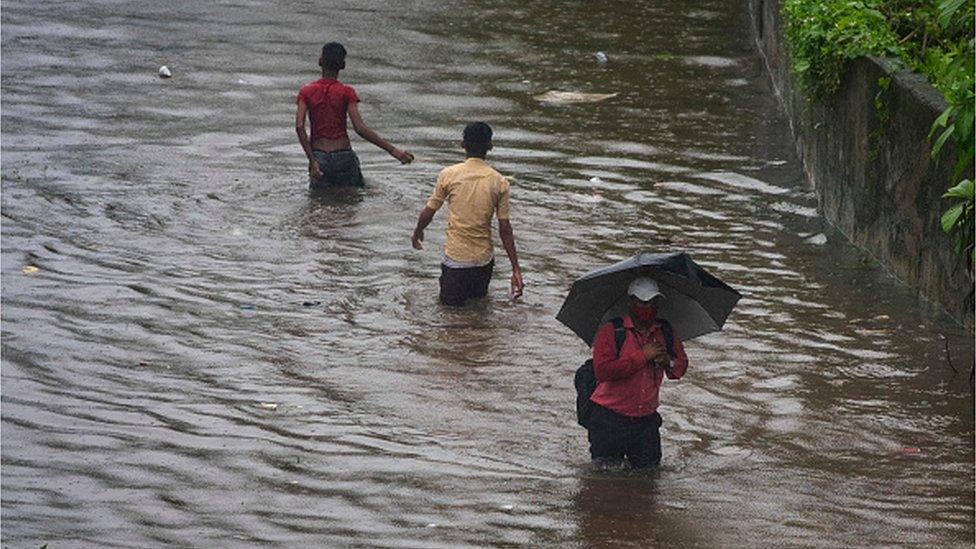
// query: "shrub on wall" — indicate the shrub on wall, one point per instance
point(933, 37)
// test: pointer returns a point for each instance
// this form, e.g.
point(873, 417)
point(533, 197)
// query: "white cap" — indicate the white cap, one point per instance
point(643, 288)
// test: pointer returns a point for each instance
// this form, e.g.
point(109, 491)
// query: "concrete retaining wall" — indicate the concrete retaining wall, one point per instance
point(871, 168)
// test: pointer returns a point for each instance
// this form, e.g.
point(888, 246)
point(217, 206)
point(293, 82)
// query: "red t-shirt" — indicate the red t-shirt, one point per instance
point(328, 101)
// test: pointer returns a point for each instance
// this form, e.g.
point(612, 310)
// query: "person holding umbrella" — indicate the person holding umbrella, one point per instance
point(624, 421)
point(632, 313)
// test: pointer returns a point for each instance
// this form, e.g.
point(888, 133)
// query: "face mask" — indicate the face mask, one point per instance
point(643, 314)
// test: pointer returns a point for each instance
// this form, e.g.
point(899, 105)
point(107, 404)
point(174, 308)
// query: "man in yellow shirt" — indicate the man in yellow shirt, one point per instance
point(475, 192)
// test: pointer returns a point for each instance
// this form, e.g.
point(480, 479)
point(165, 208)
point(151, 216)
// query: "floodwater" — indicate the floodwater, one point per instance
point(198, 352)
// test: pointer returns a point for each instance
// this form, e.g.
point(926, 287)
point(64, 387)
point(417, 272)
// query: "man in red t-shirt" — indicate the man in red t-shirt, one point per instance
point(624, 421)
point(326, 102)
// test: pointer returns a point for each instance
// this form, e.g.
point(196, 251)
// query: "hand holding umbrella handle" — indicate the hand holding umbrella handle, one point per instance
point(656, 354)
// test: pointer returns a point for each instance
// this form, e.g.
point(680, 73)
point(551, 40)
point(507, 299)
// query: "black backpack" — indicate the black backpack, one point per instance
point(585, 379)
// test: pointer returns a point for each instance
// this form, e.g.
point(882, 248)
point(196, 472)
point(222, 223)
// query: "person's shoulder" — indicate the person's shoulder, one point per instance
point(500, 182)
point(346, 88)
point(308, 85)
point(496, 174)
point(452, 169)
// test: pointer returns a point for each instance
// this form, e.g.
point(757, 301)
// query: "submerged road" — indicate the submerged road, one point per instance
point(195, 351)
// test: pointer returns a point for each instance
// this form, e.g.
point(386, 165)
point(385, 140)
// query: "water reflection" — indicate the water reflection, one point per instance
point(627, 509)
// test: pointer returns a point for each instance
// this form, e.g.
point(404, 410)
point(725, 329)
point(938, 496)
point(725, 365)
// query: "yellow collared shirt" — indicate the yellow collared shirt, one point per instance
point(474, 192)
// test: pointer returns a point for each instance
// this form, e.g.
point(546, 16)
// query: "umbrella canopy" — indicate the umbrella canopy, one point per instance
point(695, 303)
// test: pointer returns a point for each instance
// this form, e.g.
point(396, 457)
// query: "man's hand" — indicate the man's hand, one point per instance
point(656, 354)
point(417, 239)
point(517, 284)
point(404, 157)
point(314, 170)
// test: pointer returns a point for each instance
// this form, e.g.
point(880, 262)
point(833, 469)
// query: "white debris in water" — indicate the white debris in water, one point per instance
point(818, 239)
point(268, 405)
point(588, 198)
point(240, 80)
point(601, 58)
point(566, 97)
point(507, 507)
point(164, 72)
point(431, 525)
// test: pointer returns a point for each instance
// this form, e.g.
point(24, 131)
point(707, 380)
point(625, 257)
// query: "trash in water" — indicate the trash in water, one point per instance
point(310, 303)
point(268, 405)
point(601, 58)
point(566, 98)
point(818, 239)
point(587, 198)
point(164, 72)
point(909, 450)
point(29, 269)
point(247, 307)
point(507, 507)
point(431, 525)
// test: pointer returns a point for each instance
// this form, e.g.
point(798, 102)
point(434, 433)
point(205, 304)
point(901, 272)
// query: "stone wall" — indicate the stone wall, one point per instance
point(871, 167)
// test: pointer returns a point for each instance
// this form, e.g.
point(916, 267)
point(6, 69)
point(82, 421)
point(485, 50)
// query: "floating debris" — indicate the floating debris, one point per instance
point(29, 270)
point(586, 198)
point(268, 405)
point(507, 507)
point(818, 239)
point(909, 450)
point(567, 98)
point(601, 58)
point(310, 303)
point(164, 72)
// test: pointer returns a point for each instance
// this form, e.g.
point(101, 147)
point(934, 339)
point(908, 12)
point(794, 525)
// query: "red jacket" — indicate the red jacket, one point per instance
point(629, 384)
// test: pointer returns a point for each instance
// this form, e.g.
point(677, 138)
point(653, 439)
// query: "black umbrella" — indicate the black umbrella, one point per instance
point(695, 303)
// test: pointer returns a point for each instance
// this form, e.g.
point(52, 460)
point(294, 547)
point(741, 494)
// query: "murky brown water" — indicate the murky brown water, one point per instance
point(176, 245)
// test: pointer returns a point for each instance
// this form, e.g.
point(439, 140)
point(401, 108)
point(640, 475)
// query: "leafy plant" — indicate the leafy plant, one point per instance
point(933, 37)
point(958, 220)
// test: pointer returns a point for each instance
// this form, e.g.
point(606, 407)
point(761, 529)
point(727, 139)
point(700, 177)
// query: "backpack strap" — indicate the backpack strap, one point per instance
point(668, 336)
point(619, 333)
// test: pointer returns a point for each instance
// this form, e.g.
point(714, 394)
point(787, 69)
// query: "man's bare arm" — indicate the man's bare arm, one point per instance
point(314, 170)
point(368, 134)
point(426, 216)
point(508, 241)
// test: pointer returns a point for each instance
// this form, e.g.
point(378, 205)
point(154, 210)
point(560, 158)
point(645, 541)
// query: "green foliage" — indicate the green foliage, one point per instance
point(880, 106)
point(823, 35)
point(958, 220)
point(956, 81)
point(933, 37)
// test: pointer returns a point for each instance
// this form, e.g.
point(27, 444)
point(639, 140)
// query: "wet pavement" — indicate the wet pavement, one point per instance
point(195, 350)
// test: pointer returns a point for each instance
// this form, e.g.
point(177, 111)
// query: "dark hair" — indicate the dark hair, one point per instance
point(333, 57)
point(477, 137)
